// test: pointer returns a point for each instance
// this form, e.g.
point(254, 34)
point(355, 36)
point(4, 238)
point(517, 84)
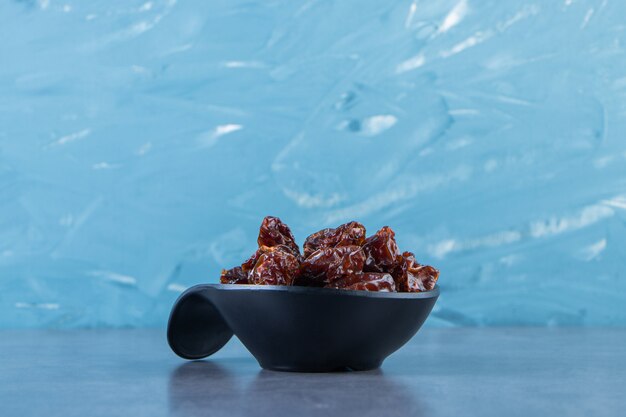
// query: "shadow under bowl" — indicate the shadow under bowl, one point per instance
point(299, 329)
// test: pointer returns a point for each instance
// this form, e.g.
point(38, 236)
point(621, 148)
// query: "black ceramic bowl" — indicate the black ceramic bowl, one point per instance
point(297, 328)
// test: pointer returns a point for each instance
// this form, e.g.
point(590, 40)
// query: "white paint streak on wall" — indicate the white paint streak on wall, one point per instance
point(443, 248)
point(458, 13)
point(176, 287)
point(587, 18)
point(104, 165)
point(306, 200)
point(411, 63)
point(557, 225)
point(72, 137)
point(409, 17)
point(538, 229)
point(375, 125)
point(243, 64)
point(406, 189)
point(592, 251)
point(208, 139)
point(475, 39)
point(42, 306)
point(616, 202)
point(115, 277)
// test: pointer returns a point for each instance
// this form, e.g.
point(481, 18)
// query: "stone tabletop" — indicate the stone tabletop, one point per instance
point(441, 372)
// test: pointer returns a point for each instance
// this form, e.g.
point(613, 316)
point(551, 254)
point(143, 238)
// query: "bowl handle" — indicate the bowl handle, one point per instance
point(196, 329)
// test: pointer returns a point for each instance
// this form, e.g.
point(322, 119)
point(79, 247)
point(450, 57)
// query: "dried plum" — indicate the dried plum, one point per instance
point(326, 265)
point(335, 258)
point(248, 265)
point(352, 233)
point(274, 232)
point(381, 251)
point(275, 267)
point(234, 276)
point(410, 276)
point(366, 281)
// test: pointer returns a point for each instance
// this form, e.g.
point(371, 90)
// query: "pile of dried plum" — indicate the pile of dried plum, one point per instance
point(333, 258)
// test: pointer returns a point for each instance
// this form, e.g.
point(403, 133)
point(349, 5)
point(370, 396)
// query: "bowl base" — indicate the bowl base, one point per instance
point(368, 366)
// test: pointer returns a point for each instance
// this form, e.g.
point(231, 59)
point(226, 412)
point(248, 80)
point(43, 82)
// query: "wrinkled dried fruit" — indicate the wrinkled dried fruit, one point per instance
point(381, 251)
point(335, 258)
point(427, 275)
point(248, 265)
point(352, 233)
point(410, 276)
point(274, 232)
point(234, 276)
point(366, 281)
point(276, 267)
point(326, 265)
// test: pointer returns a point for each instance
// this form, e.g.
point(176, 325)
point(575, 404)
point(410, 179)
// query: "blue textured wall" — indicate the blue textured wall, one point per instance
point(141, 143)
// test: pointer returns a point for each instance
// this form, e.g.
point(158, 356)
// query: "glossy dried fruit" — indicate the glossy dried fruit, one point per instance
point(335, 258)
point(248, 265)
point(326, 265)
point(274, 232)
point(234, 276)
point(381, 251)
point(410, 276)
point(366, 281)
point(352, 233)
point(275, 267)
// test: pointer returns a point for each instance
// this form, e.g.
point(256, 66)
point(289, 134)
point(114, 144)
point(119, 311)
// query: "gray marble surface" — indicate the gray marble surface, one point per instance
point(441, 372)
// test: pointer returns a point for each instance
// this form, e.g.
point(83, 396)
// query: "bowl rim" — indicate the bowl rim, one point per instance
point(326, 291)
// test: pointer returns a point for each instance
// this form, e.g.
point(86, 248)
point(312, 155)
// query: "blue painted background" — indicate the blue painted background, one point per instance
point(141, 143)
